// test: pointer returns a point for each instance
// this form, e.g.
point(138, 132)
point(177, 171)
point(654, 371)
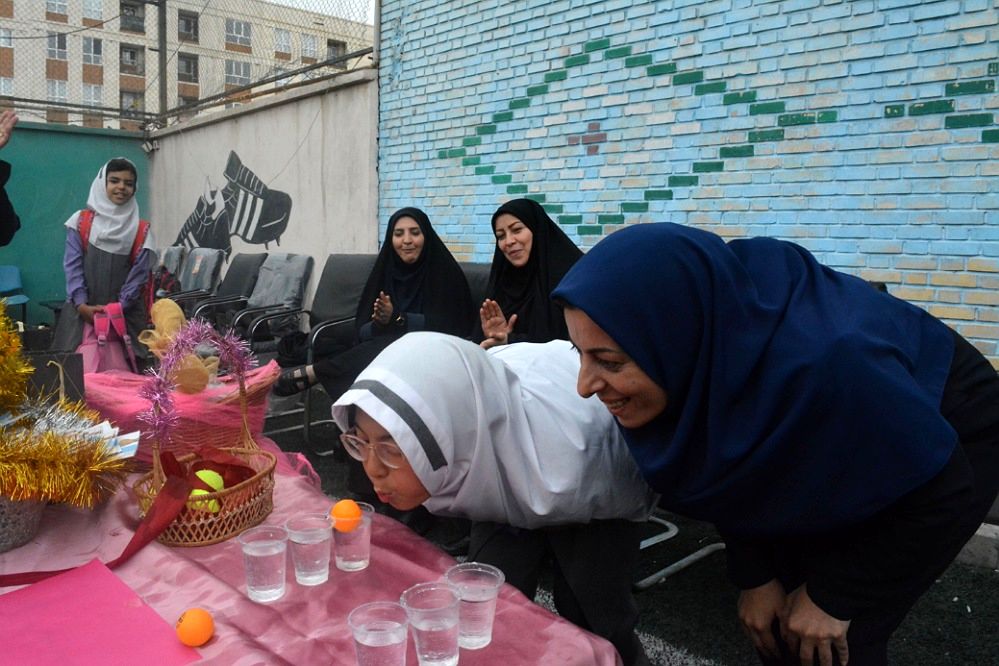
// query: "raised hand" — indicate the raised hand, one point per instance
point(383, 309)
point(495, 326)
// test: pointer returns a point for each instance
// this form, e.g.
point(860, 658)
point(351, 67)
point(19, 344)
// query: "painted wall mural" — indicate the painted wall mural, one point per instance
point(243, 207)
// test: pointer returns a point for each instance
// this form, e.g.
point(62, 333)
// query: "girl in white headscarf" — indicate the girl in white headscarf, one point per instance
point(112, 263)
point(502, 438)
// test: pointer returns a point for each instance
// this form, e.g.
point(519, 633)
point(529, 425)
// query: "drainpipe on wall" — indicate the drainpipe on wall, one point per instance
point(376, 43)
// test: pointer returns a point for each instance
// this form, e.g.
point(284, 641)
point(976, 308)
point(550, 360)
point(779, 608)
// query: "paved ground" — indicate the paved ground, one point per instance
point(690, 619)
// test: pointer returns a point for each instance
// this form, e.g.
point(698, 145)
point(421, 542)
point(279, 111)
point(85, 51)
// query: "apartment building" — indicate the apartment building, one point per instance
point(95, 63)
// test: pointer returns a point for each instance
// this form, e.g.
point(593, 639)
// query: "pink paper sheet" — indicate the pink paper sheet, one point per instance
point(84, 616)
point(308, 625)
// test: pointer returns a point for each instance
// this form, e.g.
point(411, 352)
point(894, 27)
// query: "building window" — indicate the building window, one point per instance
point(133, 16)
point(56, 90)
point(6, 38)
point(92, 9)
point(187, 26)
point(133, 59)
point(282, 41)
point(132, 103)
point(187, 68)
point(237, 32)
point(93, 94)
point(309, 46)
point(57, 46)
point(237, 73)
point(55, 7)
point(335, 49)
point(6, 86)
point(92, 48)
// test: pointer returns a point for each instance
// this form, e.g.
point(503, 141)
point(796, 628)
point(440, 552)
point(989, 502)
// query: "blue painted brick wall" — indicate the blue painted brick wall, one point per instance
point(867, 131)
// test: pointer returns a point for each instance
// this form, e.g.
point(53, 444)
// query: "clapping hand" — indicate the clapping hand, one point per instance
point(7, 121)
point(495, 326)
point(383, 309)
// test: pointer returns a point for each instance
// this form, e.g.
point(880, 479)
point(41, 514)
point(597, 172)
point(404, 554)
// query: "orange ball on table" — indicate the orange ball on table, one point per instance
point(195, 627)
point(346, 515)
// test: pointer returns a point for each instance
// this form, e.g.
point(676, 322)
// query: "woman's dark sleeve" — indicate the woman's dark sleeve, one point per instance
point(9, 222)
point(750, 562)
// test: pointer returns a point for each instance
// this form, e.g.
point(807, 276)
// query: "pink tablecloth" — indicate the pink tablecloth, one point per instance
point(308, 625)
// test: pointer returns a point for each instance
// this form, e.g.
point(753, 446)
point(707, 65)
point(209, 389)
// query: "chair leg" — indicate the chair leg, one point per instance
point(307, 416)
point(679, 565)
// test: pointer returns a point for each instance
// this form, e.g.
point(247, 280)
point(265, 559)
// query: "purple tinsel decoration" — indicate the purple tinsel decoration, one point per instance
point(235, 354)
point(161, 415)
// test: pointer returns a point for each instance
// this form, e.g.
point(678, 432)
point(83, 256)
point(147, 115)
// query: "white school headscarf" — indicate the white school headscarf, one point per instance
point(500, 436)
point(114, 227)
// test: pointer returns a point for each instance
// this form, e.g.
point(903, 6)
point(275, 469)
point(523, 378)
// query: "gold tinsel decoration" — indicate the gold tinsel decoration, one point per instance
point(44, 454)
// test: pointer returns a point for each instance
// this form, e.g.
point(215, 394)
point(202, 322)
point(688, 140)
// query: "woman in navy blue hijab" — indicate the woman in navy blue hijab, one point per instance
point(844, 443)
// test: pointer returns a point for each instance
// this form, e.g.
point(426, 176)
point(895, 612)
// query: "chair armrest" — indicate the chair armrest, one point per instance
point(269, 314)
point(215, 302)
point(324, 328)
point(188, 295)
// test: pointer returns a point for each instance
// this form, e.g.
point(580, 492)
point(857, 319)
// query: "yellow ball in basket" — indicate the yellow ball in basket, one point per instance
point(202, 505)
point(195, 627)
point(213, 479)
point(346, 515)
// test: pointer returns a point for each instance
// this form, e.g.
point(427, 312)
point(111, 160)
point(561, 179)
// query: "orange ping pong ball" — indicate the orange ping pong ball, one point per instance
point(346, 515)
point(195, 627)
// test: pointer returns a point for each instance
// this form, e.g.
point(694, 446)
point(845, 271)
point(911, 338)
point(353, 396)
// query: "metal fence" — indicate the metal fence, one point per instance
point(135, 64)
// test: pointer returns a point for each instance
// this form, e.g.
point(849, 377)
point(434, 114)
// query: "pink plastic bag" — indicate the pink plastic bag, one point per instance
point(102, 353)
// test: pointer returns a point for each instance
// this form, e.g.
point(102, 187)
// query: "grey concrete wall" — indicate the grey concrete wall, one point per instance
point(316, 143)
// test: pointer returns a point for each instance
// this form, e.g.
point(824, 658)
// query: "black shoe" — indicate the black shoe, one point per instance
point(291, 382)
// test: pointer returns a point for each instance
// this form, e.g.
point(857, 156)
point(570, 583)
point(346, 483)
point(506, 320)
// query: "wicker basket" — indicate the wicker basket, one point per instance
point(18, 521)
point(240, 507)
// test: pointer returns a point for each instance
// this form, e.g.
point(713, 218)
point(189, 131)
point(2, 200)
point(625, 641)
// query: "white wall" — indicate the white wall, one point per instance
point(317, 143)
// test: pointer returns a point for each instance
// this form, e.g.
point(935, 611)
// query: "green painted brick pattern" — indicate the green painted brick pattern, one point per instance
point(682, 181)
point(502, 116)
point(707, 88)
point(894, 110)
point(538, 196)
point(619, 52)
point(664, 68)
point(520, 103)
point(485, 129)
point(596, 45)
point(502, 179)
point(688, 77)
point(471, 161)
point(456, 152)
point(557, 75)
point(737, 151)
point(994, 68)
point(590, 230)
point(610, 219)
point(708, 167)
point(484, 170)
point(568, 219)
point(742, 97)
point(807, 118)
point(638, 61)
point(534, 91)
point(980, 87)
point(471, 141)
point(442, 154)
point(827, 116)
point(555, 209)
point(968, 120)
point(576, 60)
point(516, 189)
point(927, 108)
point(635, 207)
point(756, 136)
point(658, 195)
point(763, 108)
point(990, 136)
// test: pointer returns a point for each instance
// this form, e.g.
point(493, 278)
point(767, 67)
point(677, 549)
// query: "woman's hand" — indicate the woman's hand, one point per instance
point(87, 312)
point(7, 121)
point(383, 309)
point(758, 608)
point(495, 325)
point(808, 629)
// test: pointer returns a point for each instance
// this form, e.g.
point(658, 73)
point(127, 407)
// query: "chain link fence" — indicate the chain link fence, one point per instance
point(135, 64)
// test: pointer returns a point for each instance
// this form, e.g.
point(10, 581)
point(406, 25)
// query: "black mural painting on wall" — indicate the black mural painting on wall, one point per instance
point(244, 207)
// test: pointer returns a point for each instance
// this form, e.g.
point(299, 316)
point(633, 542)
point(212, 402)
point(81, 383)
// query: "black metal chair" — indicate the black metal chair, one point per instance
point(238, 280)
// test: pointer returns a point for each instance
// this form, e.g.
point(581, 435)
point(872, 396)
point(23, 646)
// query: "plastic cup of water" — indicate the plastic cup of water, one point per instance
point(379, 630)
point(310, 536)
point(433, 616)
point(353, 548)
point(477, 585)
point(264, 556)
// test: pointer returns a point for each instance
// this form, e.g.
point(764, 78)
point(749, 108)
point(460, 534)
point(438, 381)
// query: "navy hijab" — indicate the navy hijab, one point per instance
point(526, 291)
point(800, 399)
point(434, 285)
